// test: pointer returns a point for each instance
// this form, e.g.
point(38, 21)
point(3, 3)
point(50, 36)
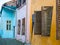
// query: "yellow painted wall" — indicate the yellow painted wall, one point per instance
point(37, 39)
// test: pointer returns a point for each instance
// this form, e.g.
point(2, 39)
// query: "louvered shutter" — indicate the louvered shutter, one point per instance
point(37, 23)
point(46, 20)
point(58, 19)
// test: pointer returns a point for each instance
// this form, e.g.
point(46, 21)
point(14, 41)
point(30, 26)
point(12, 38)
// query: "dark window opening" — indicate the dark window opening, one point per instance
point(24, 1)
point(21, 3)
point(18, 3)
point(19, 24)
point(23, 26)
point(8, 25)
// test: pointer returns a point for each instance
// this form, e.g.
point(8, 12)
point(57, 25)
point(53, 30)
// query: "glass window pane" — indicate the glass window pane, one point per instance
point(6, 27)
point(10, 27)
point(7, 21)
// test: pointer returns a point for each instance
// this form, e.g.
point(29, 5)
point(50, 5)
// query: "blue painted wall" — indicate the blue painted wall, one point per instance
point(1, 31)
point(8, 15)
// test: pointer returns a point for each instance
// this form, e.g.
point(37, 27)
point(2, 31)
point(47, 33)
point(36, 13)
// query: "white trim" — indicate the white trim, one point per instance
point(28, 2)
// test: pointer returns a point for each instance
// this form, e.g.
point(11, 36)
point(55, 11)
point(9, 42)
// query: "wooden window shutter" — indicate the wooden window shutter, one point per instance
point(46, 20)
point(23, 26)
point(37, 23)
point(58, 19)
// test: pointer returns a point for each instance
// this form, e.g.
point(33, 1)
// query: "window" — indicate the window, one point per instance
point(58, 19)
point(23, 26)
point(46, 20)
point(19, 24)
point(36, 22)
point(21, 3)
point(41, 21)
point(24, 1)
point(8, 25)
point(18, 3)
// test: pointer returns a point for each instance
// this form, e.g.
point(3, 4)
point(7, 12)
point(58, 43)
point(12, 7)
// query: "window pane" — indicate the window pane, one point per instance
point(6, 27)
point(7, 21)
point(10, 27)
point(18, 3)
point(24, 1)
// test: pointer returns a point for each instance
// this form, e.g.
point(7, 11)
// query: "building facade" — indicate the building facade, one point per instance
point(8, 20)
point(45, 22)
point(20, 20)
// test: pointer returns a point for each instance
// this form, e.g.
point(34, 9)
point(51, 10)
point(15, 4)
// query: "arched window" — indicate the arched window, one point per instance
point(23, 26)
point(19, 24)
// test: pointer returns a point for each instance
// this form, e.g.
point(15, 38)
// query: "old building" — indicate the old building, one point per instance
point(20, 20)
point(45, 22)
point(8, 19)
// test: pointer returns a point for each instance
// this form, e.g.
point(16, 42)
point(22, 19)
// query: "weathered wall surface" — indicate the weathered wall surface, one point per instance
point(37, 39)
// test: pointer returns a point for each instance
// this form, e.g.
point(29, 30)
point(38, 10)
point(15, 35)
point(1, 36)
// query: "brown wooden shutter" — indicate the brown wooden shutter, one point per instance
point(33, 17)
point(23, 26)
point(58, 19)
point(37, 23)
point(46, 20)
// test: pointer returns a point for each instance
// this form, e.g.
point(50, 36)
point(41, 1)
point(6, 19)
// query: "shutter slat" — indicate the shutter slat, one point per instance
point(46, 20)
